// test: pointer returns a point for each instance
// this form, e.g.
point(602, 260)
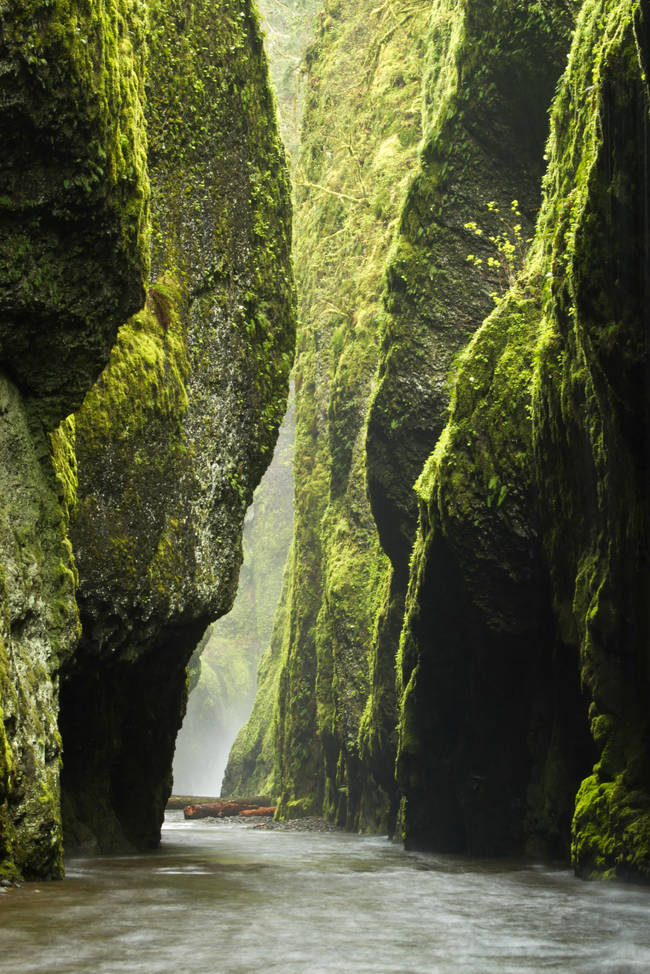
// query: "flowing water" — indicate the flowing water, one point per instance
point(221, 897)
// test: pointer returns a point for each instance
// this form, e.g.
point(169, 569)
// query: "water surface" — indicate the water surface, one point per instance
point(220, 897)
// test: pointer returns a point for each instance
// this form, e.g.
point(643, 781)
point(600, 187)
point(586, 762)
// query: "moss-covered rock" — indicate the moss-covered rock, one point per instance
point(38, 632)
point(489, 78)
point(526, 609)
point(591, 418)
point(360, 135)
point(174, 437)
point(221, 702)
point(73, 191)
point(251, 768)
point(73, 257)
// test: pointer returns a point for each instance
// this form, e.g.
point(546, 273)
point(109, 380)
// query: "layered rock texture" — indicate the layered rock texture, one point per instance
point(150, 480)
point(498, 639)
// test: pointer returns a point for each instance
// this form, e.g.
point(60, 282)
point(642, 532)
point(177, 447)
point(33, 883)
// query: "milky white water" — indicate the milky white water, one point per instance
point(220, 897)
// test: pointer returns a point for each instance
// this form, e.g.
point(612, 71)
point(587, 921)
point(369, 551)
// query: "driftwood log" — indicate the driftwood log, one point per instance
point(227, 808)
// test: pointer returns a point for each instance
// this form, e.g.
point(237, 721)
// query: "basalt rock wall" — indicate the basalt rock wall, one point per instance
point(523, 658)
point(174, 437)
point(74, 209)
point(489, 77)
point(149, 480)
point(500, 634)
point(359, 144)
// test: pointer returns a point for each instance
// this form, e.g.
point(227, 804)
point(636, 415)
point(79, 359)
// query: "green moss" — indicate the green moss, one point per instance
point(611, 830)
point(485, 98)
point(589, 410)
point(258, 616)
point(175, 435)
point(485, 115)
point(532, 502)
point(39, 629)
point(360, 134)
point(73, 95)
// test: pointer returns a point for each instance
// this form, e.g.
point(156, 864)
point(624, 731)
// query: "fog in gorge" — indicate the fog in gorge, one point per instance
point(223, 670)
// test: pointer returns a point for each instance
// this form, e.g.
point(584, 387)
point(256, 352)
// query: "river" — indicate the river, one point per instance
point(222, 897)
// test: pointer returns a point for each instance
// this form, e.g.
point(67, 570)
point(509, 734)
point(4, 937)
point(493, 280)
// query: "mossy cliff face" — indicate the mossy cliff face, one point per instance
point(227, 658)
point(39, 631)
point(527, 606)
point(74, 208)
point(489, 76)
point(73, 161)
point(360, 133)
point(175, 435)
point(251, 768)
point(591, 419)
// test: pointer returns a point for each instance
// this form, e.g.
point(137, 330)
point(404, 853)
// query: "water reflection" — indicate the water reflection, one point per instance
point(218, 897)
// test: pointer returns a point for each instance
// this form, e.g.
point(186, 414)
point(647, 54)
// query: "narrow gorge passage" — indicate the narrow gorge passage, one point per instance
point(418, 230)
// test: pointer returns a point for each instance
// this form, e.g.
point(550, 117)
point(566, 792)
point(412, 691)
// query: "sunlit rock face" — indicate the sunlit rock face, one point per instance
point(73, 254)
point(175, 435)
point(527, 618)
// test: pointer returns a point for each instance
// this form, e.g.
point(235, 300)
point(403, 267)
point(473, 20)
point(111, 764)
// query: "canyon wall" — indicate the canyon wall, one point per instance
point(74, 207)
point(500, 635)
point(174, 437)
point(150, 479)
point(526, 622)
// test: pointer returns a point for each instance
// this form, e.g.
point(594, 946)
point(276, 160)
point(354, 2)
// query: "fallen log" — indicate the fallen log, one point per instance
point(258, 811)
point(224, 808)
point(180, 801)
point(203, 810)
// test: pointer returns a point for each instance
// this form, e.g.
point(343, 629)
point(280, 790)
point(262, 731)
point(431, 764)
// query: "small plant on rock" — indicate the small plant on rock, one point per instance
point(509, 247)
